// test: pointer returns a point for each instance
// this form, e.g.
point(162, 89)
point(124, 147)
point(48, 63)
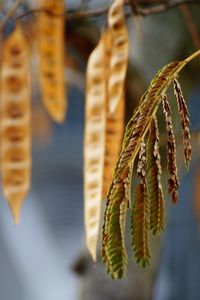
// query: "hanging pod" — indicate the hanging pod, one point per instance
point(15, 123)
point(51, 46)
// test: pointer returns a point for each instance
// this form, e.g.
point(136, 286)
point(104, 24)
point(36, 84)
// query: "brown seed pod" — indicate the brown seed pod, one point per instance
point(15, 121)
point(119, 53)
point(94, 145)
point(51, 58)
point(114, 134)
point(114, 122)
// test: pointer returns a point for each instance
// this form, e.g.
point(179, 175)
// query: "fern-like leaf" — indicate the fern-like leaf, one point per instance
point(155, 192)
point(171, 146)
point(135, 132)
point(51, 47)
point(15, 120)
point(185, 121)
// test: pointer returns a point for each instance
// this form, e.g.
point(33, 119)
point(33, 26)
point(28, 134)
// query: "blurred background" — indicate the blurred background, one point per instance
point(45, 257)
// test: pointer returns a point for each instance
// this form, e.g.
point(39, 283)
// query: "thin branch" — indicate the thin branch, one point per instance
point(10, 13)
point(191, 26)
point(164, 7)
point(153, 7)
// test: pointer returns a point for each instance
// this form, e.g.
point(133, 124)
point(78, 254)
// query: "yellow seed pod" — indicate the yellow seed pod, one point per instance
point(51, 58)
point(15, 121)
point(94, 145)
point(114, 135)
point(119, 53)
point(114, 122)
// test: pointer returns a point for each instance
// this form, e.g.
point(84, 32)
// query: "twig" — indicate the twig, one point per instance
point(155, 8)
point(164, 7)
point(9, 14)
point(84, 4)
point(190, 25)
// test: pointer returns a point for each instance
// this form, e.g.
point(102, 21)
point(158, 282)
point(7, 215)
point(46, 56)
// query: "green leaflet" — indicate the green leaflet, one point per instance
point(140, 213)
point(154, 171)
point(115, 246)
point(139, 226)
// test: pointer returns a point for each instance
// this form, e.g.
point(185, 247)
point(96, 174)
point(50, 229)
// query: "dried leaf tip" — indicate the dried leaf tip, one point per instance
point(185, 121)
point(173, 182)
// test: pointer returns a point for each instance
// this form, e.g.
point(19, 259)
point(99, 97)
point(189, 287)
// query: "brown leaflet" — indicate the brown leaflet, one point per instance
point(157, 206)
point(185, 121)
point(15, 121)
point(51, 58)
point(94, 145)
point(171, 146)
point(119, 53)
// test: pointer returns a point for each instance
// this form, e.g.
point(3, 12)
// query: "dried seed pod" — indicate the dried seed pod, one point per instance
point(185, 121)
point(15, 120)
point(51, 58)
point(114, 131)
point(94, 145)
point(114, 123)
point(171, 150)
point(119, 53)
point(114, 134)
